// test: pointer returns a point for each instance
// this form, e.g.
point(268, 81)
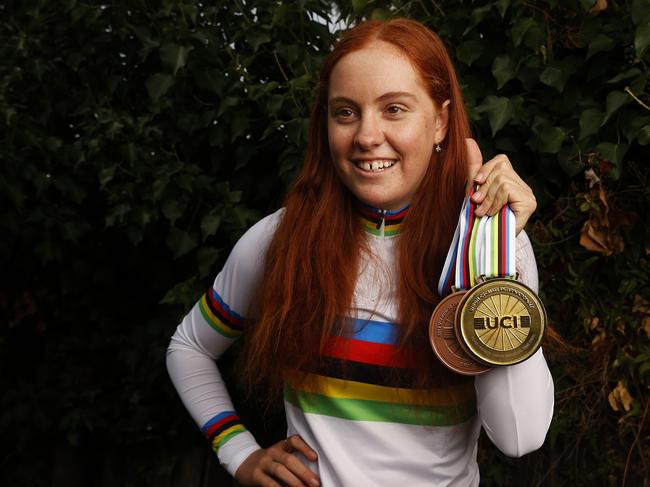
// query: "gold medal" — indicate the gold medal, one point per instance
point(501, 322)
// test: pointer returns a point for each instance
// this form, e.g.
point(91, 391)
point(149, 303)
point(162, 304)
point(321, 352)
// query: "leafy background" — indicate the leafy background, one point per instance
point(138, 140)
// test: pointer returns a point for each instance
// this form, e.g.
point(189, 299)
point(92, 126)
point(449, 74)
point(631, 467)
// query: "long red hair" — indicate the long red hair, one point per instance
point(312, 262)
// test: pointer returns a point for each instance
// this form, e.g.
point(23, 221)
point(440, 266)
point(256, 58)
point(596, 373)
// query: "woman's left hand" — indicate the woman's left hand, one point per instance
point(499, 184)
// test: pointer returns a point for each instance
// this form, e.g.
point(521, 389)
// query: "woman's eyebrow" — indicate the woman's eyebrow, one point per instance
point(396, 94)
point(341, 99)
point(384, 97)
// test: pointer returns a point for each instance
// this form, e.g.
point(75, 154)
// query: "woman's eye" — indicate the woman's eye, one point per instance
point(344, 112)
point(394, 109)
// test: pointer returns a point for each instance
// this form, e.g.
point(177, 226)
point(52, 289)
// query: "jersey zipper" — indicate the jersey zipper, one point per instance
point(381, 224)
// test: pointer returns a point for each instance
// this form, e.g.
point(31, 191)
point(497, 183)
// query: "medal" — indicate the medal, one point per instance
point(443, 331)
point(498, 321)
point(443, 337)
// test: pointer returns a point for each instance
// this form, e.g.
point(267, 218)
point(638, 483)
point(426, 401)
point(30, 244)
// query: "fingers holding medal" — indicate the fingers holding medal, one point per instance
point(499, 184)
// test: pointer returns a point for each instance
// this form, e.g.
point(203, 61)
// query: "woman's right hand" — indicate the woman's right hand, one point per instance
point(277, 466)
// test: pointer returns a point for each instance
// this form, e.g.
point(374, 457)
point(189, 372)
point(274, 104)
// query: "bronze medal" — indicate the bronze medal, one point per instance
point(444, 340)
point(500, 322)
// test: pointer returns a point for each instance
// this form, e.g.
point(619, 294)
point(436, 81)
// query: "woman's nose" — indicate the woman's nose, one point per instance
point(369, 133)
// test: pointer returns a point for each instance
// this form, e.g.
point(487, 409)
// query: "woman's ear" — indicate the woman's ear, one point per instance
point(442, 120)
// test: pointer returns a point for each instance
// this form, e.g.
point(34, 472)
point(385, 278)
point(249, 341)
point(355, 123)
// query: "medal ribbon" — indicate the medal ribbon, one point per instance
point(481, 246)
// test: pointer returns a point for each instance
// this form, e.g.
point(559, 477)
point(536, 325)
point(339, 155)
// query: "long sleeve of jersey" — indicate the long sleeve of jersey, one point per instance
point(515, 403)
point(210, 327)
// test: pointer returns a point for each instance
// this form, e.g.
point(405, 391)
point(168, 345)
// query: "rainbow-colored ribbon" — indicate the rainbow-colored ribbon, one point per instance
point(481, 247)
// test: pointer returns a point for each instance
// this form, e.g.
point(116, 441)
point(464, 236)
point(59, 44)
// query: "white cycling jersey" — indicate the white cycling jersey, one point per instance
point(366, 430)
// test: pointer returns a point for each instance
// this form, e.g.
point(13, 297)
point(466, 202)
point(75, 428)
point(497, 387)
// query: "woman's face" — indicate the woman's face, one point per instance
point(382, 125)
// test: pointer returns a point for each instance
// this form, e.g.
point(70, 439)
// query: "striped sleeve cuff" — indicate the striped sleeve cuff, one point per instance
point(219, 316)
point(221, 428)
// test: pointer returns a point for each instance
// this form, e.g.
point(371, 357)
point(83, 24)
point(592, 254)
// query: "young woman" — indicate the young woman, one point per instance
point(334, 291)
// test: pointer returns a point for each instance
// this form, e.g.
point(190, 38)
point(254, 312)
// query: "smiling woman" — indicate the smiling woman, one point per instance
point(382, 132)
point(334, 291)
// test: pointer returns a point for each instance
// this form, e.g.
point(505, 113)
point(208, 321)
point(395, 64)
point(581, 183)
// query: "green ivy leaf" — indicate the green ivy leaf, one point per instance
point(590, 122)
point(535, 39)
point(180, 242)
point(477, 16)
point(52, 144)
point(630, 73)
point(205, 258)
point(380, 14)
point(239, 123)
point(640, 10)
point(613, 153)
point(172, 210)
point(502, 7)
point(555, 76)
point(600, 43)
point(358, 6)
point(469, 51)
point(116, 214)
point(235, 196)
point(644, 135)
point(227, 103)
point(209, 224)
point(570, 165)
point(158, 84)
point(503, 69)
point(520, 28)
point(256, 39)
point(184, 293)
point(551, 139)
point(158, 188)
point(274, 104)
point(190, 11)
point(174, 56)
point(614, 101)
point(642, 39)
point(106, 175)
point(631, 126)
point(587, 4)
point(498, 109)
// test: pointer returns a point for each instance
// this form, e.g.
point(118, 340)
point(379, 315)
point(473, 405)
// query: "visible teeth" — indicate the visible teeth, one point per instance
point(375, 165)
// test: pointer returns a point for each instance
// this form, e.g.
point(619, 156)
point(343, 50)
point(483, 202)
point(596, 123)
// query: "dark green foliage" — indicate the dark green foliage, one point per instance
point(138, 141)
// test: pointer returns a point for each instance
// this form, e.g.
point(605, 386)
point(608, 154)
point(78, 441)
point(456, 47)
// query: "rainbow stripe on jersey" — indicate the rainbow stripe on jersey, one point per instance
point(219, 316)
point(221, 428)
point(359, 379)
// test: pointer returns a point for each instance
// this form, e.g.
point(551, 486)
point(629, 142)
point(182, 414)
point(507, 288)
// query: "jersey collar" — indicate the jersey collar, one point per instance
point(383, 223)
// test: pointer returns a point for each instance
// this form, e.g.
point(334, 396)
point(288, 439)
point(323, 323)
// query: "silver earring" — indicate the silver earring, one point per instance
point(438, 148)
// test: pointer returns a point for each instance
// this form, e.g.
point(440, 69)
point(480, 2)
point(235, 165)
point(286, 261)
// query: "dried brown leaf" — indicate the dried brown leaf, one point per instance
point(620, 395)
point(603, 198)
point(646, 326)
point(641, 305)
point(626, 399)
point(599, 6)
point(596, 237)
point(612, 401)
point(598, 339)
